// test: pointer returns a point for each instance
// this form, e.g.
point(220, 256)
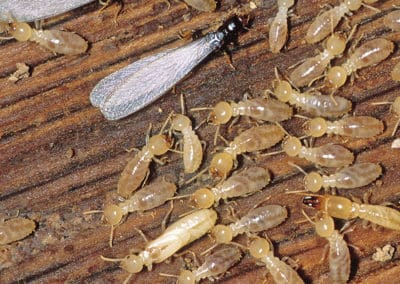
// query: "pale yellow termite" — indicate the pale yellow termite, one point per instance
point(312, 68)
point(62, 42)
point(149, 197)
point(343, 208)
point(278, 32)
point(314, 104)
point(396, 72)
point(370, 53)
point(202, 5)
point(256, 138)
point(15, 229)
point(243, 183)
point(351, 126)
point(392, 21)
point(179, 234)
point(256, 220)
point(214, 265)
point(281, 272)
point(328, 155)
point(326, 22)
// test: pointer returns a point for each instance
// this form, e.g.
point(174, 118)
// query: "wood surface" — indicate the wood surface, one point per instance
point(59, 157)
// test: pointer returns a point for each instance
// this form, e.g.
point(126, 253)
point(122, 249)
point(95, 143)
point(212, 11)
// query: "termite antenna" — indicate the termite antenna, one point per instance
point(92, 212)
point(209, 249)
point(297, 167)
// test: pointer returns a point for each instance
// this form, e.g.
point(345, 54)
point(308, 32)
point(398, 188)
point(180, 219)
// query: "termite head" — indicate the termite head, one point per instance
point(316, 127)
point(285, 3)
point(353, 5)
point(335, 44)
point(113, 214)
point(203, 198)
point(313, 201)
point(160, 144)
point(221, 164)
point(336, 77)
point(21, 31)
point(282, 90)
point(222, 234)
point(313, 182)
point(259, 248)
point(186, 277)
point(132, 263)
point(292, 146)
point(221, 113)
point(325, 226)
point(179, 122)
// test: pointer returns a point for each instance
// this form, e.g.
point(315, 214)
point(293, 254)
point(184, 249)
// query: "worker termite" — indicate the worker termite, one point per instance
point(149, 197)
point(395, 108)
point(343, 208)
point(243, 183)
point(15, 229)
point(312, 68)
point(392, 21)
point(370, 53)
point(278, 31)
point(351, 126)
point(280, 271)
point(326, 22)
point(256, 138)
point(137, 168)
point(179, 234)
point(315, 104)
point(396, 72)
point(256, 220)
point(357, 175)
point(328, 155)
point(202, 5)
point(62, 42)
point(339, 254)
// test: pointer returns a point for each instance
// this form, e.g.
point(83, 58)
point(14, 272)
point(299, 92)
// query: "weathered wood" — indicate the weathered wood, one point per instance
point(59, 157)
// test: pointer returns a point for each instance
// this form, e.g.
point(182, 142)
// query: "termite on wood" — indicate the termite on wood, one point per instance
point(395, 108)
point(15, 229)
point(278, 32)
point(392, 21)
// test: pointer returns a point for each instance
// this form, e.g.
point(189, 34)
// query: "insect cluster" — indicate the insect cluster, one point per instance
point(222, 187)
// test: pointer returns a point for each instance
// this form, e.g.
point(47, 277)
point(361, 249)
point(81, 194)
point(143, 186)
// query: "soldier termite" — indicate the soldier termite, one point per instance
point(144, 81)
point(15, 229)
point(179, 234)
point(149, 197)
point(243, 183)
point(278, 32)
point(314, 104)
point(280, 271)
point(339, 254)
point(395, 108)
point(62, 42)
point(256, 220)
point(326, 22)
point(256, 138)
point(343, 208)
point(350, 126)
point(202, 5)
point(392, 21)
point(370, 53)
point(328, 155)
point(312, 68)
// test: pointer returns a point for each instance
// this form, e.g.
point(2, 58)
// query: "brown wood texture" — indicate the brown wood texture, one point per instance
point(59, 157)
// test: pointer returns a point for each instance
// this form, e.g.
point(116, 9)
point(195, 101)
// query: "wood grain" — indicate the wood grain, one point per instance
point(59, 157)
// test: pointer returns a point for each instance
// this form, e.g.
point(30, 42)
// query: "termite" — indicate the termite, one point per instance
point(392, 21)
point(256, 220)
point(256, 138)
point(179, 234)
point(328, 155)
point(339, 254)
point(278, 31)
point(343, 208)
point(281, 272)
point(243, 183)
point(312, 68)
point(137, 168)
point(214, 265)
point(62, 42)
point(370, 53)
point(314, 104)
point(395, 108)
point(149, 197)
point(326, 22)
point(396, 72)
point(15, 229)
point(351, 126)
point(202, 5)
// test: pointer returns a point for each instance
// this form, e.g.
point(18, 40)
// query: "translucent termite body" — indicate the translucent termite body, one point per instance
point(343, 208)
point(396, 72)
point(278, 31)
point(15, 229)
point(179, 234)
point(61, 42)
point(192, 148)
point(202, 5)
point(392, 21)
point(325, 23)
point(312, 68)
point(243, 183)
point(370, 53)
point(314, 104)
point(137, 168)
point(30, 11)
point(214, 265)
point(256, 220)
point(281, 272)
point(256, 138)
point(328, 155)
point(144, 81)
point(357, 175)
point(351, 126)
